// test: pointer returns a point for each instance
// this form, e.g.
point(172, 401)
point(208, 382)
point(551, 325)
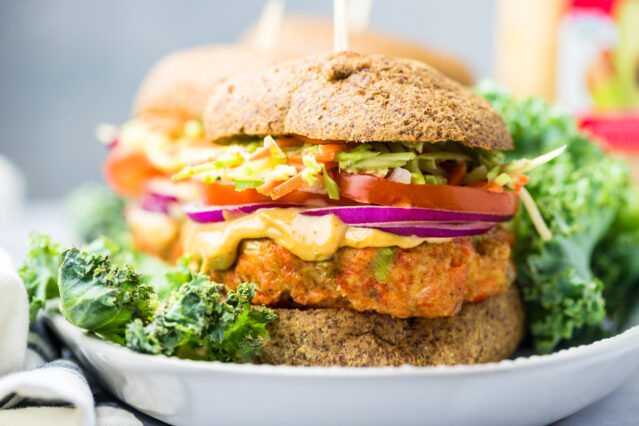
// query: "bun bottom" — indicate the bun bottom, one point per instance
point(481, 332)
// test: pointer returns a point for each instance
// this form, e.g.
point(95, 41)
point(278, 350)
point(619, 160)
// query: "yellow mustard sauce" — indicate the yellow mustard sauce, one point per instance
point(311, 238)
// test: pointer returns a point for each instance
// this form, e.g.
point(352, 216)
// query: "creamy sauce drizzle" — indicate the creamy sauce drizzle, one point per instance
point(311, 238)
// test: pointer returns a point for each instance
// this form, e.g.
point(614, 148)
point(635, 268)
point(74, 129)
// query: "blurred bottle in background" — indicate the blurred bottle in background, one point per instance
point(583, 54)
point(526, 40)
point(598, 56)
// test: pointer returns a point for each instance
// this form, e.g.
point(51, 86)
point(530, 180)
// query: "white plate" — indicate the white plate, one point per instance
point(531, 390)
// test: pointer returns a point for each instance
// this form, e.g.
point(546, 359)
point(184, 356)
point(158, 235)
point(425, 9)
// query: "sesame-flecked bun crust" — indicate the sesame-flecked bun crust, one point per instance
point(355, 98)
point(481, 332)
point(300, 35)
point(180, 83)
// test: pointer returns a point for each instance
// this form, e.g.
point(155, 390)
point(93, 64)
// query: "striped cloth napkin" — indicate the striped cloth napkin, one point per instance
point(39, 384)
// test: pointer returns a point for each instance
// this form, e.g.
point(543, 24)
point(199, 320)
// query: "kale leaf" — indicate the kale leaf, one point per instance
point(40, 272)
point(163, 277)
point(616, 262)
point(100, 291)
point(102, 297)
point(237, 329)
point(195, 322)
point(96, 211)
point(182, 320)
point(588, 269)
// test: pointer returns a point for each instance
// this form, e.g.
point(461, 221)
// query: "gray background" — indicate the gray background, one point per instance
point(68, 65)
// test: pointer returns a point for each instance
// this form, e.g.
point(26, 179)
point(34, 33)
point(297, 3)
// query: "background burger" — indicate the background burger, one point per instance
point(364, 195)
point(300, 35)
point(164, 135)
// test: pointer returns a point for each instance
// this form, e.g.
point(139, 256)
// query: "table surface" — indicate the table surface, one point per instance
point(619, 408)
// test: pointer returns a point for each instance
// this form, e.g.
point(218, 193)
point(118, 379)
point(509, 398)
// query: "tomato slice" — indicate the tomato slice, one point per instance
point(224, 194)
point(373, 190)
point(127, 172)
point(366, 189)
point(287, 186)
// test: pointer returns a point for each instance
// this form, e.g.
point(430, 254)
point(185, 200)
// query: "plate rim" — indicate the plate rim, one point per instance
point(60, 325)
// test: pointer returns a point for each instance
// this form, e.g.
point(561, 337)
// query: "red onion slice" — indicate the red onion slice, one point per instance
point(432, 230)
point(155, 202)
point(208, 214)
point(355, 215)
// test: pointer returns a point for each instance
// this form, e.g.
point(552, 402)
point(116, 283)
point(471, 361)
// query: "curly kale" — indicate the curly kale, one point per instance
point(100, 291)
point(588, 269)
point(182, 319)
point(238, 328)
point(98, 218)
point(616, 262)
point(96, 211)
point(102, 297)
point(196, 322)
point(40, 272)
point(163, 277)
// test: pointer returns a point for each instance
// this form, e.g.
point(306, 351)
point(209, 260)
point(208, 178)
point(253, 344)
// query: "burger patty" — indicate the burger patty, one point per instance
point(430, 280)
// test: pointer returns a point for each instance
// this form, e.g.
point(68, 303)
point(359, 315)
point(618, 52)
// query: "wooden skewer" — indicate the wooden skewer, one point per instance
point(340, 26)
point(359, 14)
point(268, 26)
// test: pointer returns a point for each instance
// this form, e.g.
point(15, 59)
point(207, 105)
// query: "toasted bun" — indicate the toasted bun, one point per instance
point(356, 98)
point(303, 35)
point(481, 332)
point(180, 83)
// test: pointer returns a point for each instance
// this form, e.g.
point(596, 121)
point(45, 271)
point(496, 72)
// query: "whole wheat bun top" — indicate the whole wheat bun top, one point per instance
point(356, 98)
point(300, 35)
point(179, 84)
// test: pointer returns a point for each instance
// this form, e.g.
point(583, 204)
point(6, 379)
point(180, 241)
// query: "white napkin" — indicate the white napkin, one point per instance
point(49, 392)
point(14, 317)
point(57, 382)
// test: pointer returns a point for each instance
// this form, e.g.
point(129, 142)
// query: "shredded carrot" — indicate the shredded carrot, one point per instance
point(326, 154)
point(332, 148)
point(267, 188)
point(458, 174)
point(322, 157)
point(287, 186)
point(295, 159)
point(494, 187)
point(520, 181)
